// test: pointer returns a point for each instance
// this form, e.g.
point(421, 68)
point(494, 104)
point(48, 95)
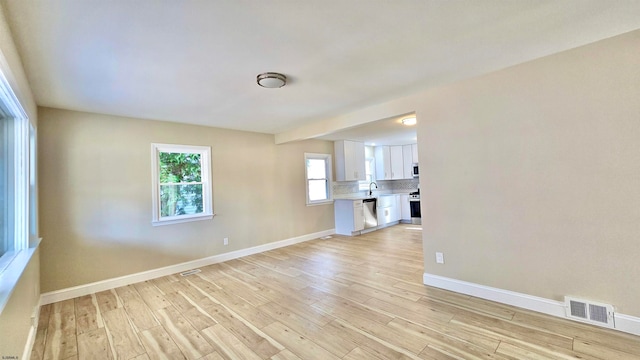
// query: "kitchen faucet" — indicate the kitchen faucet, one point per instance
point(372, 183)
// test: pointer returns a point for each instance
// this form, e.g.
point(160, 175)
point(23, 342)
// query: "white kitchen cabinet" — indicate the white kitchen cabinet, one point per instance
point(349, 216)
point(397, 166)
point(414, 152)
point(389, 162)
point(383, 162)
point(397, 214)
point(350, 160)
point(388, 210)
point(407, 156)
point(405, 208)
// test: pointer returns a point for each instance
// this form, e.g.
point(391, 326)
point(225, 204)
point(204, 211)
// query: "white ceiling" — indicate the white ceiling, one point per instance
point(381, 132)
point(196, 61)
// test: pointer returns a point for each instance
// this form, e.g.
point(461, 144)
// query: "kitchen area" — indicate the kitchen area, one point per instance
point(376, 176)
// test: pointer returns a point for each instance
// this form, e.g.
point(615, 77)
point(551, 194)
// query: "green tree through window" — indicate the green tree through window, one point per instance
point(181, 183)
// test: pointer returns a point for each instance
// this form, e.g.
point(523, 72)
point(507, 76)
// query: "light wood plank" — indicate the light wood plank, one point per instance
point(122, 338)
point(88, 317)
point(65, 306)
point(297, 343)
point(190, 342)
point(409, 310)
point(151, 295)
point(94, 345)
point(107, 300)
point(213, 356)
point(37, 352)
point(600, 350)
point(285, 355)
point(43, 317)
point(141, 357)
point(363, 340)
point(236, 326)
point(323, 336)
point(362, 354)
point(227, 345)
point(138, 311)
point(515, 349)
point(61, 333)
point(159, 345)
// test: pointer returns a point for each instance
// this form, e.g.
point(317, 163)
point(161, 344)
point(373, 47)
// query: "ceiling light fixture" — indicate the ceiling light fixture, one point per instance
point(409, 121)
point(271, 80)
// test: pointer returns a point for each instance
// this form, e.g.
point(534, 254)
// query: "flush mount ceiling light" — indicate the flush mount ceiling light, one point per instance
point(271, 80)
point(409, 121)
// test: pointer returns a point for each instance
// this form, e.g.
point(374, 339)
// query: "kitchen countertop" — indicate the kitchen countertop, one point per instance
point(351, 198)
point(362, 197)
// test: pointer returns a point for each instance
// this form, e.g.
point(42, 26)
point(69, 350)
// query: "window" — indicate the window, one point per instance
point(318, 178)
point(369, 170)
point(16, 143)
point(181, 183)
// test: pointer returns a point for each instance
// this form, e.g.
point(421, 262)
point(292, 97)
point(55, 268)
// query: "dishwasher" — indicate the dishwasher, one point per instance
point(370, 213)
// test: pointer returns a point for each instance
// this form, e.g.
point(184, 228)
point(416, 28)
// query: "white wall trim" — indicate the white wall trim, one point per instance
point(624, 323)
point(31, 338)
point(86, 289)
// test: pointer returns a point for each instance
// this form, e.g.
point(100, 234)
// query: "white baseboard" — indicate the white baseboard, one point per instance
point(86, 289)
point(31, 338)
point(624, 323)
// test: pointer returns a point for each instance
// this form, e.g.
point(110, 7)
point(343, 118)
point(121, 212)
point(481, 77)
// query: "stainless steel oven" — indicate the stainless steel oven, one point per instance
point(414, 207)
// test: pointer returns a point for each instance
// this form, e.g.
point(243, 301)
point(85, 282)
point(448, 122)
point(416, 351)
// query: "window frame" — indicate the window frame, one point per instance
point(21, 188)
point(328, 179)
point(369, 176)
point(205, 179)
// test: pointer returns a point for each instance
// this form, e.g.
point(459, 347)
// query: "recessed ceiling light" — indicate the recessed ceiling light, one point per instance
point(409, 121)
point(271, 80)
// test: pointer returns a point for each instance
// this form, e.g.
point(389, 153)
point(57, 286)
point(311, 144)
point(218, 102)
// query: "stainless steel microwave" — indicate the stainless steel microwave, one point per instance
point(415, 171)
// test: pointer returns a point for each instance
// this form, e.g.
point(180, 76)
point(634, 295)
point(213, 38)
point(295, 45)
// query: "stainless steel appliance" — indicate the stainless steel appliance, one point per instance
point(370, 215)
point(414, 205)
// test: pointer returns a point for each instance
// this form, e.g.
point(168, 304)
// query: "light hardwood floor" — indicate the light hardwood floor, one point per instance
point(341, 298)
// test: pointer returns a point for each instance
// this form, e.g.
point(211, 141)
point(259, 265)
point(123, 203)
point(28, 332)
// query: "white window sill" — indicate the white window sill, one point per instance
point(13, 272)
point(320, 203)
point(182, 219)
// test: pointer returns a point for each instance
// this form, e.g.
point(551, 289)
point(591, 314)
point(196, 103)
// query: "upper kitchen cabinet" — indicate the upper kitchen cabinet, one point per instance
point(350, 160)
point(389, 162)
point(410, 156)
point(407, 156)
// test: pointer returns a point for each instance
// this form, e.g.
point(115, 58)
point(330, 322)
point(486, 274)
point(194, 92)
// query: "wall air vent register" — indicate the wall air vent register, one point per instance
point(590, 312)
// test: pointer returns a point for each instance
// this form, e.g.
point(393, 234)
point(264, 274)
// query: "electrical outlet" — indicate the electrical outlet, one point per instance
point(226, 241)
point(439, 258)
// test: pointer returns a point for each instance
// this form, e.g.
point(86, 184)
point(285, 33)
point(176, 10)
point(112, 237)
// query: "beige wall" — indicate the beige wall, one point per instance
point(531, 176)
point(95, 196)
point(15, 319)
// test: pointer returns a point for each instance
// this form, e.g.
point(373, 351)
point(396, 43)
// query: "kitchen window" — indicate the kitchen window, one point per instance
point(318, 178)
point(181, 183)
point(369, 170)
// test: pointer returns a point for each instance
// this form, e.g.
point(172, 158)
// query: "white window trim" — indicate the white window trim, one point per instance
point(205, 153)
point(13, 263)
point(327, 158)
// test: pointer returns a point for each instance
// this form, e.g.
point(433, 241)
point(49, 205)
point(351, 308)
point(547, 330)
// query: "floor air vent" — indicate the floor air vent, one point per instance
point(190, 272)
point(590, 312)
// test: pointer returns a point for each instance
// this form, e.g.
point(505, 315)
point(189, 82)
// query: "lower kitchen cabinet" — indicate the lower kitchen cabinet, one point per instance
point(388, 210)
point(349, 216)
point(405, 208)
